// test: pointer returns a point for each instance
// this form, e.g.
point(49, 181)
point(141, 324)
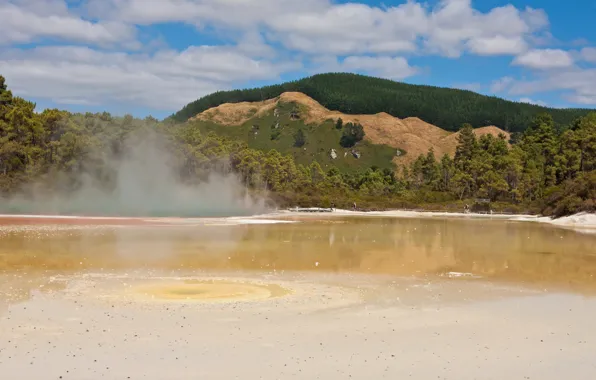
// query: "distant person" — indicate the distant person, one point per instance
point(332, 206)
point(354, 205)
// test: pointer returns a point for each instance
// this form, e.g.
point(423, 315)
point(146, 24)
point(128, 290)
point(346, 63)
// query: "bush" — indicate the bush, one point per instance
point(352, 134)
point(572, 196)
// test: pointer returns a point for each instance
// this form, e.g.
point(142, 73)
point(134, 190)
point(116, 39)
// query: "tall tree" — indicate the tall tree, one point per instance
point(299, 138)
point(467, 147)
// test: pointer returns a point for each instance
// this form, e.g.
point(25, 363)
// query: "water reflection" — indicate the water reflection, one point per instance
point(521, 252)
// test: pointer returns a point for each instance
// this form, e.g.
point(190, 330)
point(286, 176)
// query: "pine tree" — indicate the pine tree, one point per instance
point(466, 149)
point(299, 139)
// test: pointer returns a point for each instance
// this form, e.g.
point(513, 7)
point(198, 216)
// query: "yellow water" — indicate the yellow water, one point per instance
point(516, 252)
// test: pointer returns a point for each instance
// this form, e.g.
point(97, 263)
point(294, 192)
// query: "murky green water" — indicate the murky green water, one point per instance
point(496, 250)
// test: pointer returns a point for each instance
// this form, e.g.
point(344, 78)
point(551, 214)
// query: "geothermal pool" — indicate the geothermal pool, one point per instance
point(309, 297)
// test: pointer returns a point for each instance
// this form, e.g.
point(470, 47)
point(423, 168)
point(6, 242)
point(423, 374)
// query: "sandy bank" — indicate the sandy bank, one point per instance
point(581, 220)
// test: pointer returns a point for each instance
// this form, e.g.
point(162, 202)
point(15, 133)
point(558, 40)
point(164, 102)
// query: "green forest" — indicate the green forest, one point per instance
point(553, 172)
point(358, 94)
point(550, 169)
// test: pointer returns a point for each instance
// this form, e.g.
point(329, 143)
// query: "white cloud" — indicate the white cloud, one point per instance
point(270, 37)
point(351, 29)
point(587, 100)
point(164, 81)
point(232, 13)
point(531, 101)
point(455, 25)
point(24, 21)
point(501, 84)
point(395, 68)
point(385, 67)
point(544, 59)
point(588, 54)
point(322, 26)
point(536, 19)
point(579, 85)
point(497, 45)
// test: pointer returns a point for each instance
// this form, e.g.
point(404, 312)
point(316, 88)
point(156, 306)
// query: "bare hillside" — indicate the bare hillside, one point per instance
point(411, 134)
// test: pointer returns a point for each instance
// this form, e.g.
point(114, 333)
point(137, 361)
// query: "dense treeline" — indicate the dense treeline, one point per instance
point(546, 170)
point(556, 172)
point(357, 94)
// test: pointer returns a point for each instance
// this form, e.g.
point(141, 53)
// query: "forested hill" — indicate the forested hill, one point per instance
point(446, 108)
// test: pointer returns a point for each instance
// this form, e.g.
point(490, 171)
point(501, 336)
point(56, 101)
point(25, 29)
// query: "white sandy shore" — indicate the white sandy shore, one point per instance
point(329, 327)
point(585, 222)
point(578, 221)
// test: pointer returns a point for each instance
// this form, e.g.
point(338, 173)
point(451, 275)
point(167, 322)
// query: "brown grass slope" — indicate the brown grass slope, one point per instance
point(411, 134)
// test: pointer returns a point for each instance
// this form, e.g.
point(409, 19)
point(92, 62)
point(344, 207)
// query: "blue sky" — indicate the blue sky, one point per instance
point(154, 56)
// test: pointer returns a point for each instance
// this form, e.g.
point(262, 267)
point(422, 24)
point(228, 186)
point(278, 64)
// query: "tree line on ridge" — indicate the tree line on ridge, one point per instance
point(446, 108)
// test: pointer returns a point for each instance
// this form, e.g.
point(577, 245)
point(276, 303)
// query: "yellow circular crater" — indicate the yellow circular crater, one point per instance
point(212, 291)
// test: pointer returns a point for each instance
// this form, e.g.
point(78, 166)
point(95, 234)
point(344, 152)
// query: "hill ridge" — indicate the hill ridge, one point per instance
point(412, 134)
point(446, 108)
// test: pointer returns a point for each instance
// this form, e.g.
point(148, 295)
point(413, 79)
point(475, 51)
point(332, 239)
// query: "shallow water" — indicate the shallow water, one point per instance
point(329, 297)
point(523, 253)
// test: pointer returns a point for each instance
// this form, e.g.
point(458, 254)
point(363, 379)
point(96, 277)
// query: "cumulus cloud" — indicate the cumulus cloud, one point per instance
point(267, 38)
point(588, 54)
point(455, 25)
point(544, 59)
point(24, 21)
point(578, 85)
point(497, 45)
point(322, 26)
point(352, 29)
point(395, 68)
point(164, 81)
point(501, 84)
point(386, 67)
point(232, 13)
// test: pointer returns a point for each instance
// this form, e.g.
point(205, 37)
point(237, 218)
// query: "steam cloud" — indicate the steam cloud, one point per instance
point(146, 184)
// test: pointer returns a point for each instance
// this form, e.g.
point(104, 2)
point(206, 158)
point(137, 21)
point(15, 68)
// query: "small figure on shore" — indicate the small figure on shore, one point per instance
point(466, 208)
point(332, 206)
point(354, 206)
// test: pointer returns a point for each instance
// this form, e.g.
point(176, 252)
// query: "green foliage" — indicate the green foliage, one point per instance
point(467, 148)
point(5, 94)
point(339, 124)
point(275, 132)
point(572, 196)
point(352, 134)
point(357, 94)
point(554, 172)
point(299, 138)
